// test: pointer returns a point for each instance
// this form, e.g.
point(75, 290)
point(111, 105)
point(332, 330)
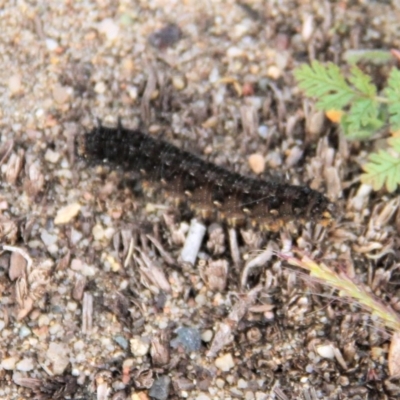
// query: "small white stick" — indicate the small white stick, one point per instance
point(193, 241)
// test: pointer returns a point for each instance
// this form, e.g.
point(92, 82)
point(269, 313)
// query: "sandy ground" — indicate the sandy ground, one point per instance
point(94, 301)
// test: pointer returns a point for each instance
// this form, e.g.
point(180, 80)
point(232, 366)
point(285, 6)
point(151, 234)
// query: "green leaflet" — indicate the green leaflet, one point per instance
point(383, 169)
point(393, 95)
point(326, 83)
point(365, 112)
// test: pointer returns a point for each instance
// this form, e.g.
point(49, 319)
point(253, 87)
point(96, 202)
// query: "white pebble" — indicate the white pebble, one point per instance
point(48, 239)
point(9, 363)
point(52, 156)
point(79, 345)
point(139, 347)
point(263, 131)
point(72, 306)
point(98, 232)
point(133, 92)
point(14, 84)
point(326, 351)
point(200, 300)
point(57, 354)
point(76, 236)
point(220, 383)
point(225, 362)
point(25, 365)
point(24, 331)
point(100, 87)
point(109, 28)
point(249, 395)
point(242, 384)
point(207, 335)
point(214, 75)
point(43, 320)
point(88, 270)
point(54, 329)
point(51, 44)
point(234, 52)
point(202, 397)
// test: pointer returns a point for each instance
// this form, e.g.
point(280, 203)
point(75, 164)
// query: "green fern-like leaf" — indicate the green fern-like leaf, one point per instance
point(365, 108)
point(382, 169)
point(362, 82)
point(393, 94)
point(395, 143)
point(362, 113)
point(326, 83)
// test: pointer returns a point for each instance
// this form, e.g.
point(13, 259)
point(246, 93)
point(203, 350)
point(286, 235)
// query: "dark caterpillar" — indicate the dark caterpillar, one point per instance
point(209, 189)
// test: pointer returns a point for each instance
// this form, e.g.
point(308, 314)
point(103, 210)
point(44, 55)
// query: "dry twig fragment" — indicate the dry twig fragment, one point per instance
point(193, 242)
point(87, 313)
point(224, 335)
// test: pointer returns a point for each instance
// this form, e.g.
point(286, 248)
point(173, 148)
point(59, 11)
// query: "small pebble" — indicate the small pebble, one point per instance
point(326, 351)
point(52, 156)
point(139, 347)
point(100, 87)
point(72, 306)
point(55, 328)
point(60, 94)
point(178, 82)
point(98, 232)
point(58, 355)
point(207, 335)
point(48, 239)
point(225, 362)
point(109, 28)
point(88, 270)
point(189, 338)
point(160, 388)
point(249, 395)
point(43, 320)
point(51, 44)
point(202, 397)
point(121, 341)
point(257, 163)
point(76, 236)
point(242, 384)
point(25, 365)
point(200, 300)
point(133, 92)
point(67, 213)
point(274, 72)
point(220, 383)
point(79, 345)
point(9, 363)
point(263, 131)
point(24, 331)
point(14, 84)
point(234, 52)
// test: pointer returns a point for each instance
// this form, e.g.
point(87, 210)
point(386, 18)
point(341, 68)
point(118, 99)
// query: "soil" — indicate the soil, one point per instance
point(97, 301)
